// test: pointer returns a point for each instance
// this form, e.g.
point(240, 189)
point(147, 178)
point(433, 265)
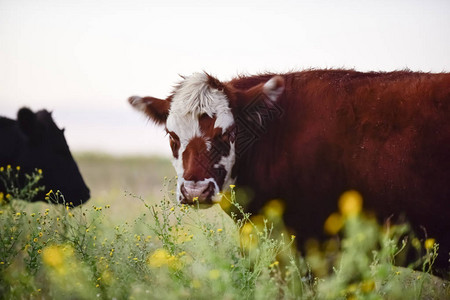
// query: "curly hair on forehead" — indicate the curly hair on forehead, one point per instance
point(199, 94)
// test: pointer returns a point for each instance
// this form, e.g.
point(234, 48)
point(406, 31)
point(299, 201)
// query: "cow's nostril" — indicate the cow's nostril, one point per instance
point(207, 193)
point(184, 191)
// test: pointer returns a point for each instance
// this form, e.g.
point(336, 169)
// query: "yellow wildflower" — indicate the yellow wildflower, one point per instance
point(53, 256)
point(350, 203)
point(18, 168)
point(274, 264)
point(160, 258)
point(196, 284)
point(274, 209)
point(232, 186)
point(258, 221)
point(367, 286)
point(333, 223)
point(248, 240)
point(225, 202)
point(247, 228)
point(214, 274)
point(429, 243)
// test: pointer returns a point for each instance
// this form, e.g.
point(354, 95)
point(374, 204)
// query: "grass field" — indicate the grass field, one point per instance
point(112, 178)
point(131, 242)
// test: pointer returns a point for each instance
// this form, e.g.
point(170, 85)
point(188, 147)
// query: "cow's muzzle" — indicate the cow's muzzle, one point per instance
point(196, 191)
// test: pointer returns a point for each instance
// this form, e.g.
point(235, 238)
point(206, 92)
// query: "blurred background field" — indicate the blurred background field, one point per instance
point(112, 179)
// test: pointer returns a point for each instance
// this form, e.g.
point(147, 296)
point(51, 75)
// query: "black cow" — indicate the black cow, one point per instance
point(35, 142)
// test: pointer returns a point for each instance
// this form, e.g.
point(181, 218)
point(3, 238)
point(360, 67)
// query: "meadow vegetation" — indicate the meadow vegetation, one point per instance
point(132, 242)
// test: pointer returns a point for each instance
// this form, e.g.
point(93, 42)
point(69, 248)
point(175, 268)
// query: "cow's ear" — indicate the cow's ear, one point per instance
point(27, 121)
point(268, 93)
point(156, 109)
point(273, 88)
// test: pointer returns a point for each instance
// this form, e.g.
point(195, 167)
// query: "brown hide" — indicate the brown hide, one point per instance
point(386, 135)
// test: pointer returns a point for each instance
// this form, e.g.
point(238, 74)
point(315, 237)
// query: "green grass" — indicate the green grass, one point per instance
point(139, 245)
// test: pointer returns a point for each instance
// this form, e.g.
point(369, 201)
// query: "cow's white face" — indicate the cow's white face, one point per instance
point(202, 130)
point(200, 124)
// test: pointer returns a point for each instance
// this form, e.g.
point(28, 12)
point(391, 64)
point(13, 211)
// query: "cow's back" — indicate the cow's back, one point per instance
point(386, 135)
point(10, 141)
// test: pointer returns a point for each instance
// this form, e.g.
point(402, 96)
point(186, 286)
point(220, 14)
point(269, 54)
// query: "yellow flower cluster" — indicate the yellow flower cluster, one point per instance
point(58, 257)
point(248, 240)
point(350, 205)
point(214, 274)
point(334, 223)
point(274, 264)
point(429, 243)
point(53, 256)
point(162, 258)
point(274, 209)
point(3, 197)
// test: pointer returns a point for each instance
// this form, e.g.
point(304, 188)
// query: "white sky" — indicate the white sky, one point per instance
point(84, 58)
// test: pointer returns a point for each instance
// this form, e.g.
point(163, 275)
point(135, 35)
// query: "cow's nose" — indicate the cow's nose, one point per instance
point(202, 192)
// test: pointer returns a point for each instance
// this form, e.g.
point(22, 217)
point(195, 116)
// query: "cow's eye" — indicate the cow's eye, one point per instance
point(226, 137)
point(174, 145)
point(229, 135)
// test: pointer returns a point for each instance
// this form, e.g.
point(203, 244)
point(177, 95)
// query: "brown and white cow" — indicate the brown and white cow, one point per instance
point(306, 137)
